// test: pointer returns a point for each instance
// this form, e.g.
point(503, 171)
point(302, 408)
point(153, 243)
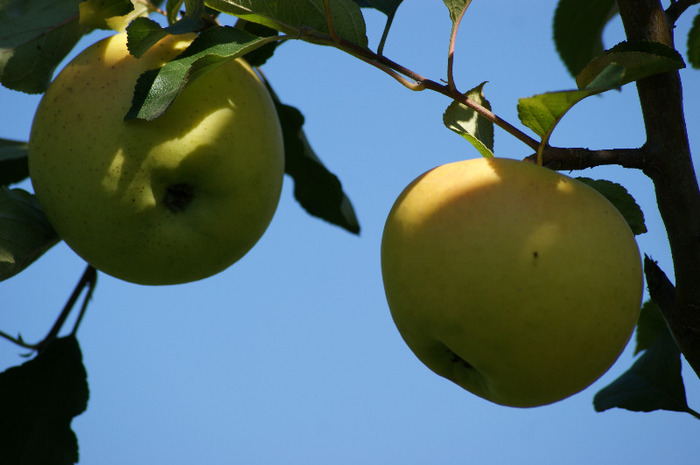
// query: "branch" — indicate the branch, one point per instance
point(567, 159)
point(668, 162)
point(676, 9)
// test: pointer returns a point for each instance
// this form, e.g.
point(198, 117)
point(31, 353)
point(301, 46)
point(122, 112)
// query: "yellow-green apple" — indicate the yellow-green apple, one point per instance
point(167, 201)
point(518, 283)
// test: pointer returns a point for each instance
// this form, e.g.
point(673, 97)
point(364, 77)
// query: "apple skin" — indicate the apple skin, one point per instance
point(167, 201)
point(519, 284)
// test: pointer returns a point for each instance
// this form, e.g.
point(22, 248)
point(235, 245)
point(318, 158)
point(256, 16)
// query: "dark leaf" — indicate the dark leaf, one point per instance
point(13, 161)
point(38, 401)
point(652, 383)
point(578, 28)
point(694, 43)
point(650, 326)
point(294, 17)
point(388, 7)
point(623, 201)
point(25, 233)
point(259, 56)
point(316, 189)
point(36, 36)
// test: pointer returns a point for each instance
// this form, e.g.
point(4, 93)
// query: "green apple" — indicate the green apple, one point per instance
point(169, 201)
point(517, 283)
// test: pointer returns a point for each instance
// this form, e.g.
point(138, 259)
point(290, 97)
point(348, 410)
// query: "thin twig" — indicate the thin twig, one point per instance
point(88, 278)
point(676, 9)
point(451, 51)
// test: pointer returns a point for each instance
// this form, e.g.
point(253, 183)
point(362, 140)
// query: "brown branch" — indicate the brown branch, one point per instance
point(567, 159)
point(668, 163)
point(676, 9)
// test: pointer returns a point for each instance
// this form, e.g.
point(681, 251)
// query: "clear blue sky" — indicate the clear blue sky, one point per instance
point(291, 356)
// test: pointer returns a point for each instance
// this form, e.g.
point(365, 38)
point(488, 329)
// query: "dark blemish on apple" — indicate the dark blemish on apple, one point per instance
point(177, 197)
point(535, 254)
point(454, 358)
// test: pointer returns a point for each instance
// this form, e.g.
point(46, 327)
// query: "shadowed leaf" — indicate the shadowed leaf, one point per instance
point(38, 401)
point(578, 28)
point(469, 124)
point(25, 233)
point(36, 36)
point(623, 201)
point(13, 161)
point(316, 189)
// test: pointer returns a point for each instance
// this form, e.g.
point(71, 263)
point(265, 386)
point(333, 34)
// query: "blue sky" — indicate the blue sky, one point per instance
point(290, 356)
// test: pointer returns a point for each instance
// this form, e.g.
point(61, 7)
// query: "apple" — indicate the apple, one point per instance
point(167, 201)
point(515, 282)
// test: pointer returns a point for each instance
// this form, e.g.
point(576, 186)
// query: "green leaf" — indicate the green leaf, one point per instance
point(653, 382)
point(622, 200)
point(455, 7)
point(294, 17)
point(694, 43)
point(13, 161)
point(25, 233)
point(36, 36)
point(38, 401)
point(142, 34)
point(543, 112)
point(156, 89)
point(471, 125)
point(94, 13)
point(578, 28)
point(259, 56)
point(638, 59)
point(316, 189)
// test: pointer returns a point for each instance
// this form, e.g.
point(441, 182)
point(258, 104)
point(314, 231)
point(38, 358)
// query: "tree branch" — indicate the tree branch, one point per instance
point(567, 159)
point(669, 164)
point(676, 9)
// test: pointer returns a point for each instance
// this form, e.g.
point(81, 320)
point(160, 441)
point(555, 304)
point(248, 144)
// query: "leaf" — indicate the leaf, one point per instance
point(542, 112)
point(38, 401)
point(619, 66)
point(650, 326)
point(25, 233)
point(694, 43)
point(653, 382)
point(578, 27)
point(156, 89)
point(142, 34)
point(623, 201)
point(456, 8)
point(469, 124)
point(294, 17)
point(37, 35)
point(638, 59)
point(94, 13)
point(316, 189)
point(260, 55)
point(388, 7)
point(13, 161)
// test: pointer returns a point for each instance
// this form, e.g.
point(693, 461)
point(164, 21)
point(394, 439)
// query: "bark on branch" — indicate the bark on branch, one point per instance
point(667, 161)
